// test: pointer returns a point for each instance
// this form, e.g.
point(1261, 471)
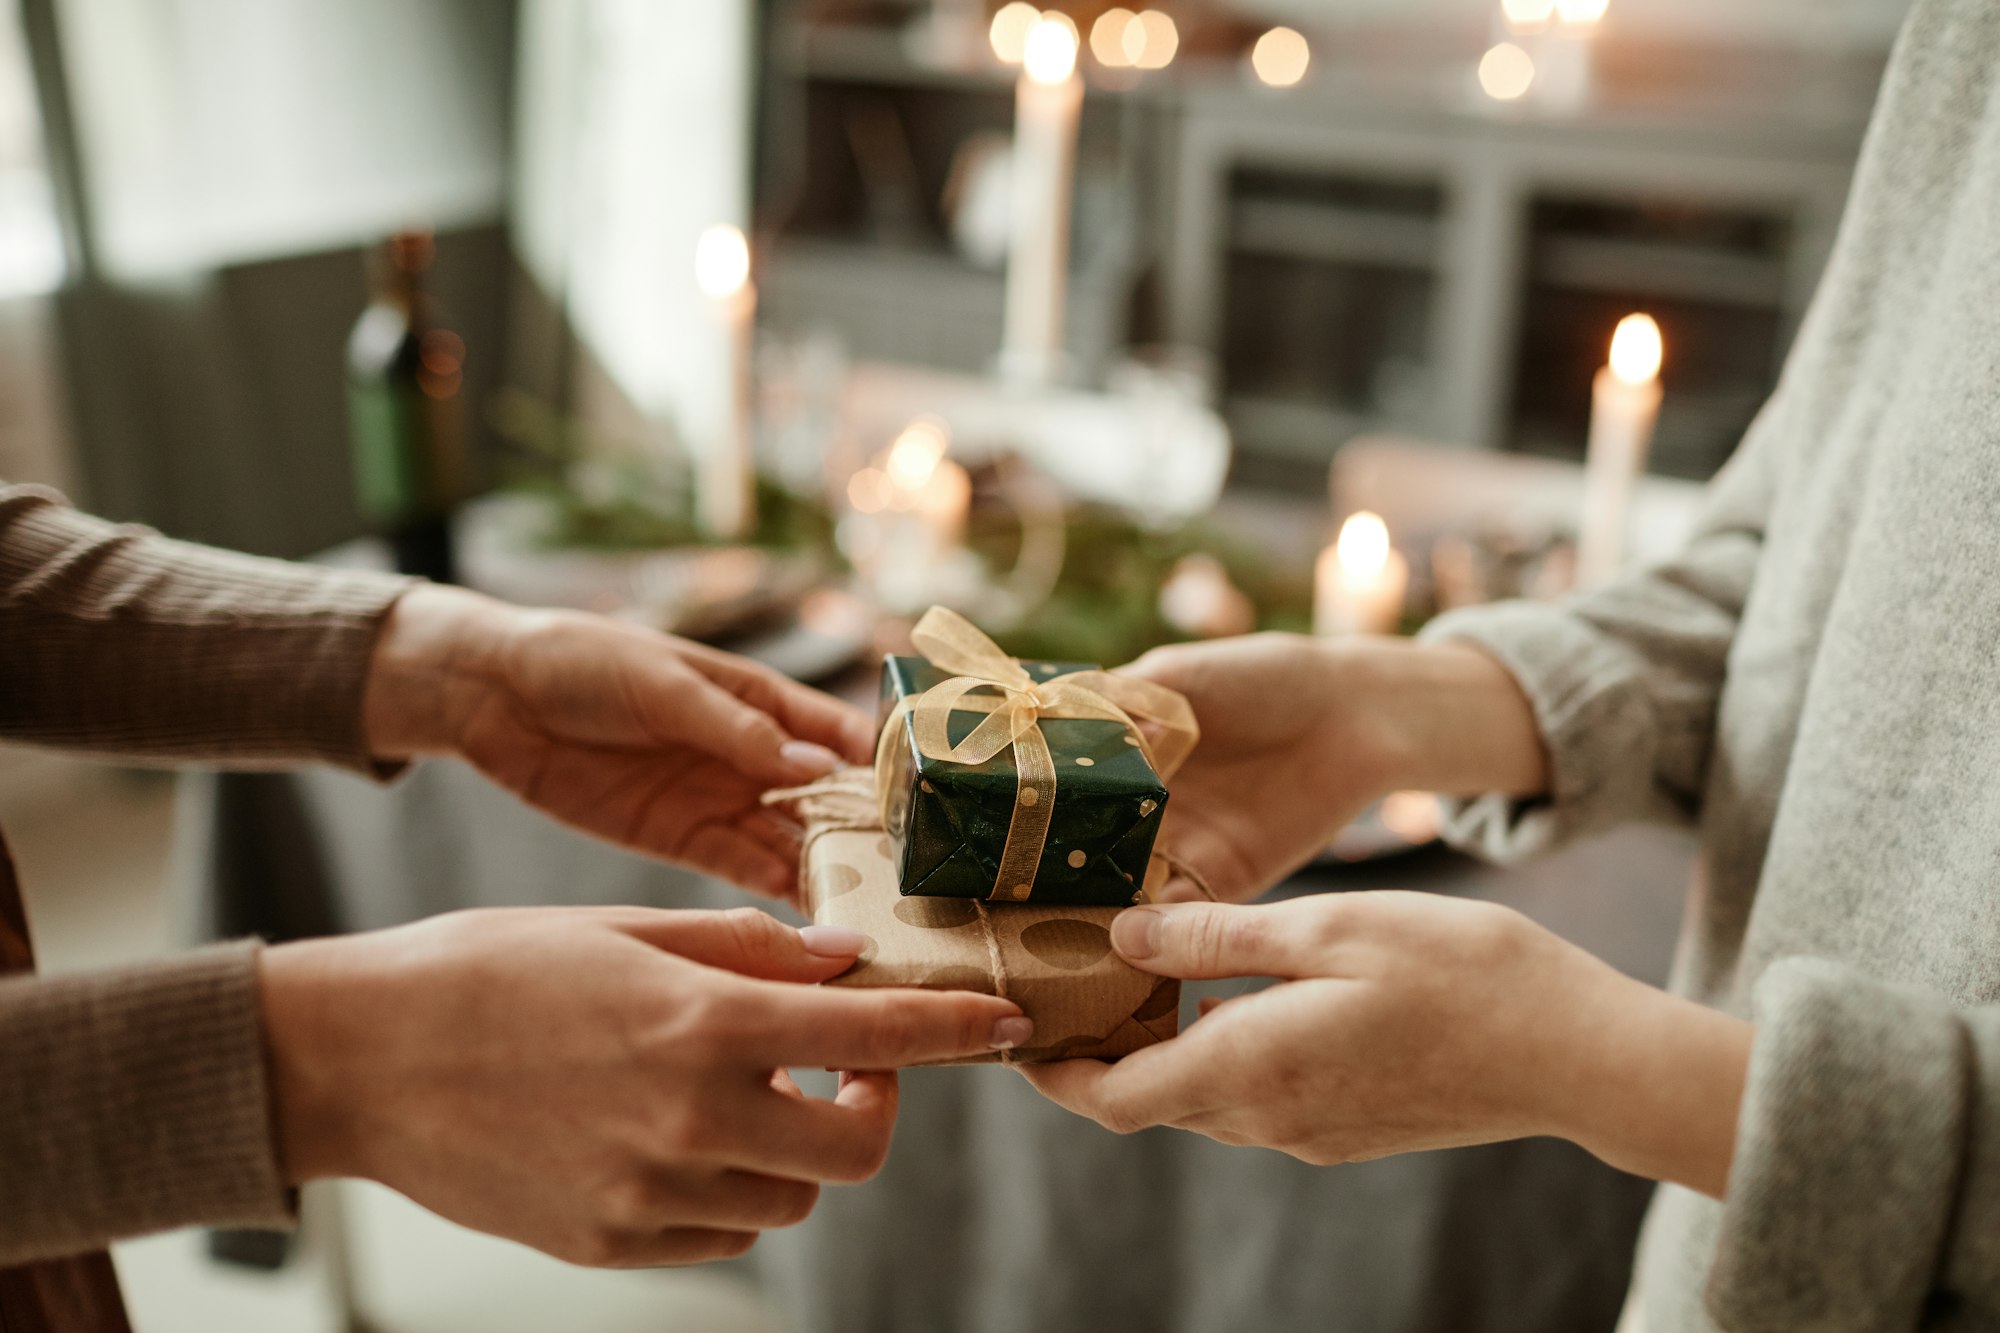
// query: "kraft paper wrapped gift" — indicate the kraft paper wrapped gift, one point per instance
point(1055, 962)
point(1022, 781)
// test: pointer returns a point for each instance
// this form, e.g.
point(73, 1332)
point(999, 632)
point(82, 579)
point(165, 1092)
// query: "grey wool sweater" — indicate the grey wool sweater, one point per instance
point(1816, 681)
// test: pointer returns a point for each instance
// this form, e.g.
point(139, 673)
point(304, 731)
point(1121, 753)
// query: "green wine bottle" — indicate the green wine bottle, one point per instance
point(406, 419)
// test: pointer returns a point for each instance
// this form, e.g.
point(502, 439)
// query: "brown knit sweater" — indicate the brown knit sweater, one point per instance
point(136, 1100)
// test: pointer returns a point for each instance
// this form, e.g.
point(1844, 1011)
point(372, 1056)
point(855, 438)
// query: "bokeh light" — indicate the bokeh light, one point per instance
point(1637, 349)
point(1581, 11)
point(1524, 14)
point(1009, 30)
point(1049, 55)
point(1152, 40)
point(1505, 72)
point(1363, 545)
point(1107, 38)
point(1280, 57)
point(722, 260)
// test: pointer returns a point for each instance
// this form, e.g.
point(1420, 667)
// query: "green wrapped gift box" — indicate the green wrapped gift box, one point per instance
point(948, 822)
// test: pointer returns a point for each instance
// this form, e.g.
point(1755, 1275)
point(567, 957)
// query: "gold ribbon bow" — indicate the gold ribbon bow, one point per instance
point(1015, 703)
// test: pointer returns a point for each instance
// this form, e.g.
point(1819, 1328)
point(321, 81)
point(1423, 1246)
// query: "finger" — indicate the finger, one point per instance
point(844, 1140)
point(1159, 1085)
point(745, 940)
point(1196, 940)
point(733, 1200)
point(675, 1247)
point(839, 1028)
point(808, 714)
point(742, 858)
point(718, 723)
point(783, 1082)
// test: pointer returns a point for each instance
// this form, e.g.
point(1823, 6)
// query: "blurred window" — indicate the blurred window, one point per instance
point(224, 131)
point(31, 248)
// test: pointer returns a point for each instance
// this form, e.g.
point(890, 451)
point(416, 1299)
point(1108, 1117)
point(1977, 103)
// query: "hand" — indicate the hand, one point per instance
point(1408, 1021)
point(1298, 735)
point(658, 744)
point(605, 1085)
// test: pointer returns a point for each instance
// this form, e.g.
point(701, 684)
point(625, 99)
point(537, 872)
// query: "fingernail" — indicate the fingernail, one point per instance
point(832, 941)
point(1135, 932)
point(806, 756)
point(1011, 1032)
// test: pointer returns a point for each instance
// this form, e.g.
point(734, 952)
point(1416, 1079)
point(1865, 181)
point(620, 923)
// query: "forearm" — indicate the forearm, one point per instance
point(1654, 1085)
point(119, 640)
point(1441, 717)
point(133, 1101)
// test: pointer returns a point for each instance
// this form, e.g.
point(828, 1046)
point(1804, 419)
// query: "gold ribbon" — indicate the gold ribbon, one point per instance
point(1013, 721)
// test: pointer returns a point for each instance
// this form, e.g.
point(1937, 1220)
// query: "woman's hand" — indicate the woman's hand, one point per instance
point(1298, 735)
point(604, 1084)
point(658, 744)
point(1407, 1021)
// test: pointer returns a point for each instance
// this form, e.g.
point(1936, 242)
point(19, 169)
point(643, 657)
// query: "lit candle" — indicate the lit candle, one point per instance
point(1048, 100)
point(725, 477)
point(916, 501)
point(1360, 580)
point(1624, 406)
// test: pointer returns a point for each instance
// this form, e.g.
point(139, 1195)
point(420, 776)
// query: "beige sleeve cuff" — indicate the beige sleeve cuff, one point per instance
point(135, 1101)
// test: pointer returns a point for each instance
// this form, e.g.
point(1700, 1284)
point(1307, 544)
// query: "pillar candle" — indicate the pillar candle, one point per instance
point(1360, 581)
point(725, 472)
point(1624, 407)
point(1048, 101)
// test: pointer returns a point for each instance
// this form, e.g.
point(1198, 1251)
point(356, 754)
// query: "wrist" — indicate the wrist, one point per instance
point(1437, 717)
point(1656, 1085)
point(303, 997)
point(434, 660)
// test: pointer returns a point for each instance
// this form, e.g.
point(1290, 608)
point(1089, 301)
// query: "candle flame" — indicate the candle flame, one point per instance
point(1582, 12)
point(1280, 57)
point(1363, 546)
point(1009, 30)
point(1107, 38)
point(1505, 72)
point(722, 261)
point(916, 453)
point(1151, 42)
point(1049, 54)
point(1637, 349)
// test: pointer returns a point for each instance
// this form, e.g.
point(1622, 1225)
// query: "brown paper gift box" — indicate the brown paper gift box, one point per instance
point(1055, 962)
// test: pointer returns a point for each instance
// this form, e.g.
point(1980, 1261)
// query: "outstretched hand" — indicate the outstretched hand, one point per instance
point(652, 742)
point(1406, 1021)
point(605, 1084)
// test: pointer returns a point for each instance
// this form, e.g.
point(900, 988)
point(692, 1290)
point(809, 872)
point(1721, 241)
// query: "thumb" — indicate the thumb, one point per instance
point(1196, 940)
point(744, 940)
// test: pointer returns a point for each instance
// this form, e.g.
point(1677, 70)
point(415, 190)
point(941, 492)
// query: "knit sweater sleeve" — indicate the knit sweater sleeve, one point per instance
point(113, 638)
point(1865, 1189)
point(132, 1101)
point(1625, 680)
